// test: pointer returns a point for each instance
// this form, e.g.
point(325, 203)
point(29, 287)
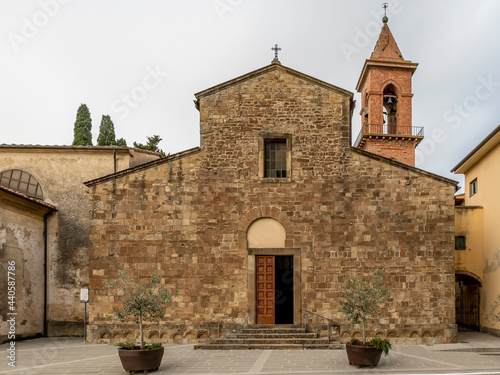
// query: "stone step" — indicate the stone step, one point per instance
point(326, 346)
point(280, 341)
point(266, 337)
point(298, 335)
point(273, 330)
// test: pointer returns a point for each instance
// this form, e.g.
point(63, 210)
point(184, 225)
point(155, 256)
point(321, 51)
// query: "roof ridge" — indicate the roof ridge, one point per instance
point(263, 70)
point(143, 166)
point(76, 147)
point(404, 166)
point(29, 198)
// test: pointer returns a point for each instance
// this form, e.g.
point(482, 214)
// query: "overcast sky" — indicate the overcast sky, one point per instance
point(141, 62)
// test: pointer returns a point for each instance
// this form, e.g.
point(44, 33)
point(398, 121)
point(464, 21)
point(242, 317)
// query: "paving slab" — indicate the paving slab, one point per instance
point(476, 353)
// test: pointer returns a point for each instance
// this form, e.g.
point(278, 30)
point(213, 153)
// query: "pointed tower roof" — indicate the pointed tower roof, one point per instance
point(386, 47)
point(386, 54)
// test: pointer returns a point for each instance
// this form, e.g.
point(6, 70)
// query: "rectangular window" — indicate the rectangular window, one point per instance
point(275, 153)
point(473, 187)
point(460, 243)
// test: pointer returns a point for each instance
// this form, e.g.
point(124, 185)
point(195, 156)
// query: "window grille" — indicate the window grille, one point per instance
point(21, 182)
point(460, 243)
point(275, 158)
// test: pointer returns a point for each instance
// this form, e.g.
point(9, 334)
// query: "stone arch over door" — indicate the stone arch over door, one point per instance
point(268, 232)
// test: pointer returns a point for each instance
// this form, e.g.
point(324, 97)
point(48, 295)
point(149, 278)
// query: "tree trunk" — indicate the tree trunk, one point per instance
point(142, 331)
point(364, 330)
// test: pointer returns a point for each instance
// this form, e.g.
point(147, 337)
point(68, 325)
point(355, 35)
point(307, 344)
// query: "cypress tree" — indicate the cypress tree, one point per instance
point(121, 142)
point(83, 127)
point(106, 132)
point(152, 145)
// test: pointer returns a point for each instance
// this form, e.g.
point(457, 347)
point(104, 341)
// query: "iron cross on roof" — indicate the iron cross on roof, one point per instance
point(276, 49)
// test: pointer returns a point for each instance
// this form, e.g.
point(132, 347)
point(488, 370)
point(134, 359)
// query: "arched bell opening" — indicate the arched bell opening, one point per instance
point(390, 100)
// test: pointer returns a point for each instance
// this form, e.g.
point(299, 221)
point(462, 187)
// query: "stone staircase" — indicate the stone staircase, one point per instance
point(270, 337)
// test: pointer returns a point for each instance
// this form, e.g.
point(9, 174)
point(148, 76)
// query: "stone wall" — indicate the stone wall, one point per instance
point(345, 212)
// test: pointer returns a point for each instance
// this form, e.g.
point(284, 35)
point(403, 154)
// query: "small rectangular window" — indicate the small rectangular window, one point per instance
point(460, 243)
point(473, 187)
point(275, 158)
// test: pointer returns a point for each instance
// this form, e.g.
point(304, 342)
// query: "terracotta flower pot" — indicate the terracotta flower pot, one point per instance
point(363, 355)
point(140, 360)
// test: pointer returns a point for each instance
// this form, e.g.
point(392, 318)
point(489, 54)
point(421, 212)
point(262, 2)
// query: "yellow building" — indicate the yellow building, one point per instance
point(477, 237)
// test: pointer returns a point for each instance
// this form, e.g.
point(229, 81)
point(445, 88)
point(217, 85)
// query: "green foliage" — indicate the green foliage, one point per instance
point(126, 345)
point(83, 127)
point(132, 346)
point(121, 142)
point(153, 346)
point(363, 299)
point(143, 299)
point(106, 132)
point(355, 342)
point(381, 344)
point(152, 145)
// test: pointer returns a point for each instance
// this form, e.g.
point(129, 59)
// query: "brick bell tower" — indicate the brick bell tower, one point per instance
point(385, 87)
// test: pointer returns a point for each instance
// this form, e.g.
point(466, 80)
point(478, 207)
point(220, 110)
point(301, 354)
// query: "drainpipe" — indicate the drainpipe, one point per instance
point(114, 160)
point(45, 278)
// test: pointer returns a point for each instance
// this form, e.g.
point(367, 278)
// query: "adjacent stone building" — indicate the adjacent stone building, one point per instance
point(23, 248)
point(53, 260)
point(268, 216)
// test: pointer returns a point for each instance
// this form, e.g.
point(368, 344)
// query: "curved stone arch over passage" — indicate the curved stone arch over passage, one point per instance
point(266, 233)
point(471, 275)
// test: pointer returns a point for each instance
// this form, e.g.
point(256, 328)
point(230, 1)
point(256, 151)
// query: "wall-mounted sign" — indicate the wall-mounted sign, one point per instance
point(84, 295)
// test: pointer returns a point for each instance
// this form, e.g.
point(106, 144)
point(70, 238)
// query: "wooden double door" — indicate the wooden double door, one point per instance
point(274, 289)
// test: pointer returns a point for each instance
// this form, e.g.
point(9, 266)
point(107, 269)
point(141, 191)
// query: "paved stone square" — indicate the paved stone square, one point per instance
point(476, 353)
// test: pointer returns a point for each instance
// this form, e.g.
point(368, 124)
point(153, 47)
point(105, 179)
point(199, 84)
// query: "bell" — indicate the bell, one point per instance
point(389, 101)
point(366, 112)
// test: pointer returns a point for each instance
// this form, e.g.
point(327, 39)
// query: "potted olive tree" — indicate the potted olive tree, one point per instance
point(143, 300)
point(363, 300)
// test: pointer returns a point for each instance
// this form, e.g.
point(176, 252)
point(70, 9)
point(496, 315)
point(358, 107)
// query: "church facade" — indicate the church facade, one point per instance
point(276, 193)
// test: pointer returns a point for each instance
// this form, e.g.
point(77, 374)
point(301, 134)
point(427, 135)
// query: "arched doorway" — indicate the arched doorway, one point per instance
point(273, 276)
point(467, 301)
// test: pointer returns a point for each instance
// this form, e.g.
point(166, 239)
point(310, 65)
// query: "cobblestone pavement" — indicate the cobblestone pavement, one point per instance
point(475, 353)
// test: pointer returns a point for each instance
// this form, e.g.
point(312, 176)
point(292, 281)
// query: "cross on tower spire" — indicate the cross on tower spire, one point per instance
point(276, 49)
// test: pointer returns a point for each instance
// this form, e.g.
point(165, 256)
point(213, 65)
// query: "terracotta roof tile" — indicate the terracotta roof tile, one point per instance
point(26, 197)
point(71, 147)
